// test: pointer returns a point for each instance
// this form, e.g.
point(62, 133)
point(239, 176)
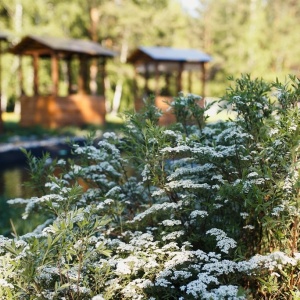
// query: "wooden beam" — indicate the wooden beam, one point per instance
point(42, 52)
point(35, 74)
point(54, 73)
point(203, 78)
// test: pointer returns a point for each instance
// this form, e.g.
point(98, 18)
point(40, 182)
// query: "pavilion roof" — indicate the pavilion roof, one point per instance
point(167, 54)
point(46, 45)
point(4, 36)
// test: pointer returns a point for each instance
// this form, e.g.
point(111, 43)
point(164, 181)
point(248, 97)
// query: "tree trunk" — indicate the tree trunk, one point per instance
point(94, 17)
point(18, 24)
point(117, 97)
point(118, 91)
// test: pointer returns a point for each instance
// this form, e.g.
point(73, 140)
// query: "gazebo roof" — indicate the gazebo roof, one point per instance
point(4, 36)
point(167, 54)
point(45, 46)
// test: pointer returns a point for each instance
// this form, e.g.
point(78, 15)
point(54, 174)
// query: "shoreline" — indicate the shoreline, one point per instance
point(11, 154)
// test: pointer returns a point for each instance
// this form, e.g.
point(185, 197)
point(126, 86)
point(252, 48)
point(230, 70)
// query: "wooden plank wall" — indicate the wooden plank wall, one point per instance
point(161, 102)
point(167, 118)
point(55, 112)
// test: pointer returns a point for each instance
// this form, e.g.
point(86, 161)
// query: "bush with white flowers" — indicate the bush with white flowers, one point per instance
point(192, 211)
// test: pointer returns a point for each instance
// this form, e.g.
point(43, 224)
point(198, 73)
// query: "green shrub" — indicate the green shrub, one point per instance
point(193, 211)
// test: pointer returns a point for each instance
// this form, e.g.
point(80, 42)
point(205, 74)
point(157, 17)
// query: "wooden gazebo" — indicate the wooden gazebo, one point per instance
point(163, 63)
point(79, 106)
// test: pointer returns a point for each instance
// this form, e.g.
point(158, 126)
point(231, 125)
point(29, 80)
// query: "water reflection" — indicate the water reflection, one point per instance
point(12, 186)
point(12, 182)
point(12, 179)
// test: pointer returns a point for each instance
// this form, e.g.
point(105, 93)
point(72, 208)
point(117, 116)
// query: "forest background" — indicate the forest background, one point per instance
point(250, 36)
point(179, 225)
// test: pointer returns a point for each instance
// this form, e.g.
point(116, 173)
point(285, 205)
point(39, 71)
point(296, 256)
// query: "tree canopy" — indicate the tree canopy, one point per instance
point(252, 36)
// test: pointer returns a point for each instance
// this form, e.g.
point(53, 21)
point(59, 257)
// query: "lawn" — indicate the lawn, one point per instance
point(14, 131)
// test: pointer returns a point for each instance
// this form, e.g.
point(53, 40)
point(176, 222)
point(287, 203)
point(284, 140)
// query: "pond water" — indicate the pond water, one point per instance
point(12, 179)
point(12, 186)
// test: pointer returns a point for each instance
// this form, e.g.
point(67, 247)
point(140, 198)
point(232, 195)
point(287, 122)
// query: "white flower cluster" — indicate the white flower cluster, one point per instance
point(223, 242)
point(98, 297)
point(5, 284)
point(191, 170)
point(186, 184)
point(274, 261)
point(171, 222)
point(201, 213)
point(146, 173)
point(155, 208)
point(173, 235)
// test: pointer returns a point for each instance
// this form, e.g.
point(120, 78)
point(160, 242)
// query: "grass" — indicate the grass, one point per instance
point(12, 129)
point(113, 123)
point(10, 117)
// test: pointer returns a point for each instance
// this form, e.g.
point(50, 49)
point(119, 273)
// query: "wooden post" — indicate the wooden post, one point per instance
point(156, 79)
point(203, 68)
point(54, 74)
point(190, 82)
point(81, 76)
point(167, 83)
point(203, 83)
point(87, 74)
point(35, 74)
point(179, 77)
point(69, 74)
point(103, 75)
point(135, 84)
point(82, 79)
point(146, 79)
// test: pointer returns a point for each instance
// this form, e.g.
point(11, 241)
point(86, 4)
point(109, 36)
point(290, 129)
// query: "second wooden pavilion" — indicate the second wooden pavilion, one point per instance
point(165, 66)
